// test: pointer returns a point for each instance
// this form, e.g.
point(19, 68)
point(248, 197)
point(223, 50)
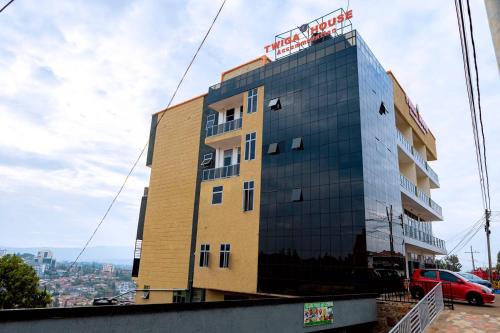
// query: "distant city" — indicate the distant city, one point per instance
point(81, 284)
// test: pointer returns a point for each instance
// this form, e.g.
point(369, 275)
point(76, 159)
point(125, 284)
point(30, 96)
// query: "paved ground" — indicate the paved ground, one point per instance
point(467, 318)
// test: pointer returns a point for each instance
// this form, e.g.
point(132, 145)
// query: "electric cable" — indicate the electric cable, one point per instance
point(480, 152)
point(147, 143)
point(479, 105)
point(7, 5)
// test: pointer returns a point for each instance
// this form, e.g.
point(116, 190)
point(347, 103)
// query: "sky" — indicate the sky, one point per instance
point(79, 81)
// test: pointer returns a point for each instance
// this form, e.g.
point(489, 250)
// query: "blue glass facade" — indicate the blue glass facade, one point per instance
point(338, 232)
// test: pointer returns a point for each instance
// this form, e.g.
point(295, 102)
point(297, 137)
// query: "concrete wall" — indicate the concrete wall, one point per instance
point(169, 212)
point(275, 315)
point(227, 223)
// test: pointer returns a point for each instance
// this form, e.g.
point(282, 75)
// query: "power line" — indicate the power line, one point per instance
point(146, 145)
point(467, 238)
point(479, 104)
point(472, 104)
point(466, 230)
point(7, 5)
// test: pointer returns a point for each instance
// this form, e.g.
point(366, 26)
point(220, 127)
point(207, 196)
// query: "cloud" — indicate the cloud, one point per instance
point(80, 81)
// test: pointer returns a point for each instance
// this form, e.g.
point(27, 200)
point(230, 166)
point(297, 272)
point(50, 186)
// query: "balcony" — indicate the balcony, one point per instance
point(416, 233)
point(222, 172)
point(419, 160)
point(229, 126)
point(418, 202)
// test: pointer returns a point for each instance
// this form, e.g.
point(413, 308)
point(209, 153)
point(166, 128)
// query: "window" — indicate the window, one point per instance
point(252, 101)
point(239, 156)
point(241, 111)
point(248, 189)
point(179, 297)
point(229, 115)
point(273, 149)
point(445, 276)
point(297, 194)
point(429, 274)
point(217, 195)
point(275, 104)
point(228, 154)
point(382, 109)
point(297, 144)
point(225, 249)
point(145, 292)
point(210, 120)
point(204, 255)
point(250, 146)
point(207, 159)
point(138, 247)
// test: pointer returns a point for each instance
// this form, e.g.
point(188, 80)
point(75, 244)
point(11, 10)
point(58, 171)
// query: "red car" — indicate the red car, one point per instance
point(454, 286)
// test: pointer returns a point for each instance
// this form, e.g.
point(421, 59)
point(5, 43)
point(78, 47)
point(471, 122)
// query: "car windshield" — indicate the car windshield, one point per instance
point(469, 276)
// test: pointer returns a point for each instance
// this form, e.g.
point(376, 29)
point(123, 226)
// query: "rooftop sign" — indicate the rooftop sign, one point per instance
point(335, 23)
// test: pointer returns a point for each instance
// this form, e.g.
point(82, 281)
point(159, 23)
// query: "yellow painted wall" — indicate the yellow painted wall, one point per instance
point(169, 213)
point(424, 184)
point(409, 171)
point(247, 67)
point(227, 223)
point(213, 296)
point(404, 111)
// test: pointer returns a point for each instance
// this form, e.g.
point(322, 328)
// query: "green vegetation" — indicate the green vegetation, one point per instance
point(19, 285)
point(452, 263)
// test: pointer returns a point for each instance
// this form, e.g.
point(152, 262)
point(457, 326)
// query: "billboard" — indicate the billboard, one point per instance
point(319, 313)
point(335, 23)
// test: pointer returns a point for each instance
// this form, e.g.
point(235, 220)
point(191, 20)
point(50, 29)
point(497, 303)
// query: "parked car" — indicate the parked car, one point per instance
point(476, 279)
point(454, 286)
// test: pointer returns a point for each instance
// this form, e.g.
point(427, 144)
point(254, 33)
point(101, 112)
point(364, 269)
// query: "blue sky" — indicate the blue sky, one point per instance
point(79, 81)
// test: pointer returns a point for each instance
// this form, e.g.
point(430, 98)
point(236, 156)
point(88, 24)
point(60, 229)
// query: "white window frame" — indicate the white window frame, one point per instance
point(252, 100)
point(248, 146)
point(221, 195)
point(251, 187)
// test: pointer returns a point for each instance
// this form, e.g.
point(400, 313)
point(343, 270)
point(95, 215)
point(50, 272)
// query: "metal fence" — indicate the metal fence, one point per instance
point(223, 172)
point(224, 127)
point(423, 313)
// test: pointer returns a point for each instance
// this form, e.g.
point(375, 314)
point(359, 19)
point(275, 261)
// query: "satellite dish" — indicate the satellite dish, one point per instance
point(303, 27)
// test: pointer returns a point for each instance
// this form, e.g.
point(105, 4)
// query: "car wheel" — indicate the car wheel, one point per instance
point(417, 293)
point(474, 299)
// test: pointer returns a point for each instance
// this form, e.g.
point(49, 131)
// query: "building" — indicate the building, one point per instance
point(306, 175)
point(44, 262)
point(493, 13)
point(3, 252)
point(108, 269)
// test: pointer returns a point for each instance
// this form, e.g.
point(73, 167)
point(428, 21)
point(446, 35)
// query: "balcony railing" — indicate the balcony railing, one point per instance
point(224, 127)
point(421, 196)
point(416, 230)
point(222, 172)
point(418, 157)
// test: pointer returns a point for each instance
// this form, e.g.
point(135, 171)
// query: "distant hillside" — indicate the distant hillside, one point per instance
point(118, 255)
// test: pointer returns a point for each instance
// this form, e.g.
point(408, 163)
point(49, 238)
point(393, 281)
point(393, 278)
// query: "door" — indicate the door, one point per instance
point(453, 286)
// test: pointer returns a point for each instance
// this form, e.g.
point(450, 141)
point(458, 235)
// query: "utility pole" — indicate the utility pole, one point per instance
point(391, 238)
point(488, 232)
point(472, 255)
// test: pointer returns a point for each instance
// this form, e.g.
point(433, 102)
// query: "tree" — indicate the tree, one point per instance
point(452, 263)
point(440, 263)
point(19, 285)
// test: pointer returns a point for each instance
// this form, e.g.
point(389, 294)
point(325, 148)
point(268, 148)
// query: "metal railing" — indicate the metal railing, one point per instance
point(222, 172)
point(412, 228)
point(421, 196)
point(224, 127)
point(410, 150)
point(423, 313)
